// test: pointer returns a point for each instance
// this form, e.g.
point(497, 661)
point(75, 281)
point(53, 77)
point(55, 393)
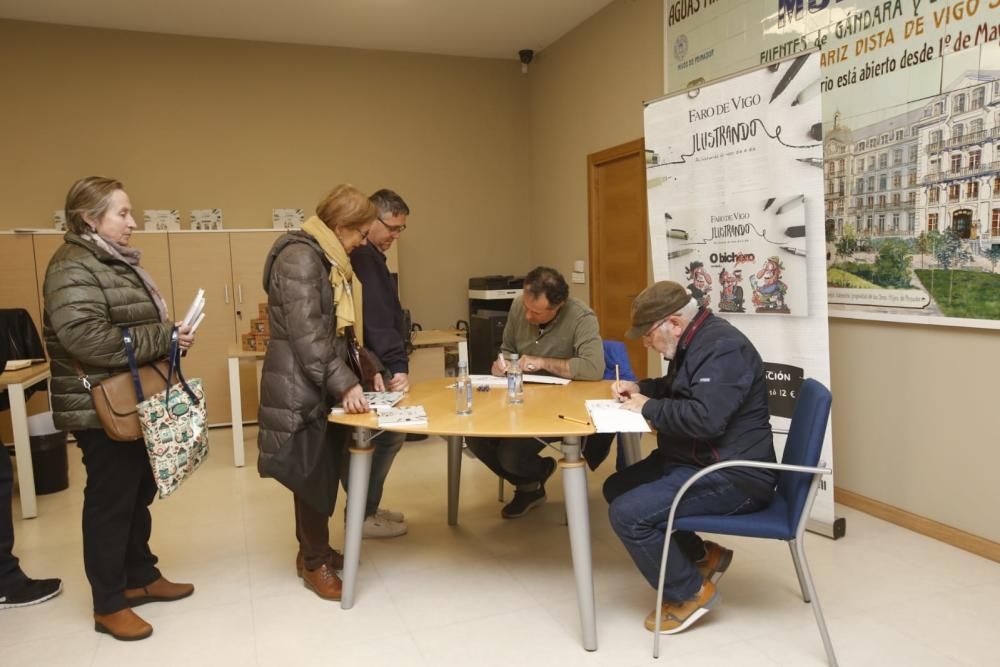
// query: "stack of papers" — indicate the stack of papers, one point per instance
point(412, 415)
point(18, 364)
point(608, 416)
point(195, 312)
point(376, 400)
point(501, 381)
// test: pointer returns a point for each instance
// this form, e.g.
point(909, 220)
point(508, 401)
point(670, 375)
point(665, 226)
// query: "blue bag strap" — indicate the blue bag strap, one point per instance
point(130, 352)
point(175, 365)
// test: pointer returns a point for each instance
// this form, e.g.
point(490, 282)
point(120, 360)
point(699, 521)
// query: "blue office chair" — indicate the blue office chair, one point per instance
point(599, 445)
point(785, 519)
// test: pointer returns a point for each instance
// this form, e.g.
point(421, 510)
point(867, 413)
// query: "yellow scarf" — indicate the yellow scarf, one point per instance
point(346, 290)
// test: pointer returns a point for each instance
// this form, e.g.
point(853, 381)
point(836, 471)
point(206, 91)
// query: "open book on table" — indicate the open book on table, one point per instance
point(608, 416)
point(501, 380)
point(411, 415)
point(376, 400)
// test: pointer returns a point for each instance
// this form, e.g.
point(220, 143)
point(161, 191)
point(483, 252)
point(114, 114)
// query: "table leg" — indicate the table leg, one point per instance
point(454, 476)
point(574, 477)
point(236, 407)
point(629, 442)
point(357, 496)
point(22, 450)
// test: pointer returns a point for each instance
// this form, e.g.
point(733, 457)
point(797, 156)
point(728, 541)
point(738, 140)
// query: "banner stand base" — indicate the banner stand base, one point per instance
point(834, 531)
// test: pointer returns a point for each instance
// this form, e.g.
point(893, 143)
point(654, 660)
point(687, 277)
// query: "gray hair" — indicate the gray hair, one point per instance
point(688, 311)
point(388, 202)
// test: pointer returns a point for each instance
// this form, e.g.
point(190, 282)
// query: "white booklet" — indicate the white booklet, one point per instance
point(411, 415)
point(608, 416)
point(501, 380)
point(376, 400)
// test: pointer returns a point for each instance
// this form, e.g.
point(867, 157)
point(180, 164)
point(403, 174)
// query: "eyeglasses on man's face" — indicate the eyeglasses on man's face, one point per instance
point(392, 229)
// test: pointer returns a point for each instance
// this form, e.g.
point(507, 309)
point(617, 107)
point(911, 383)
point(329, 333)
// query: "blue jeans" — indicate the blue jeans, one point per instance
point(639, 500)
point(385, 447)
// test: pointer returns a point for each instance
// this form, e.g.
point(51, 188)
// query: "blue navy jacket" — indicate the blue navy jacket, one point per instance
point(712, 404)
point(383, 314)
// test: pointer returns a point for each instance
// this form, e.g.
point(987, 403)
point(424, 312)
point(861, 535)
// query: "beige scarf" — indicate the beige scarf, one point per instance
point(346, 290)
point(132, 256)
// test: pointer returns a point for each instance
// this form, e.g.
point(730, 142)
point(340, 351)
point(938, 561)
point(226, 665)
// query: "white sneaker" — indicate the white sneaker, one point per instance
point(389, 515)
point(374, 526)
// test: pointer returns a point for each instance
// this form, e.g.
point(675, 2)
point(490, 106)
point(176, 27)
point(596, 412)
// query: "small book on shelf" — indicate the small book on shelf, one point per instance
point(411, 415)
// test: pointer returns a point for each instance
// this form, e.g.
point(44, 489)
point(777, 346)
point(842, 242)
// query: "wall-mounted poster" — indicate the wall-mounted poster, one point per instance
point(911, 119)
point(734, 186)
point(287, 218)
point(206, 219)
point(161, 220)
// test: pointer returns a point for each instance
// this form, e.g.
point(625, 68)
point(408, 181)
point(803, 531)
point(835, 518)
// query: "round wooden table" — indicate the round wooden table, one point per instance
point(538, 416)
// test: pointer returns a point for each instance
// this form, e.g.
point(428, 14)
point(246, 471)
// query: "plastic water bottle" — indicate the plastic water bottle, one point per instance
point(515, 380)
point(463, 390)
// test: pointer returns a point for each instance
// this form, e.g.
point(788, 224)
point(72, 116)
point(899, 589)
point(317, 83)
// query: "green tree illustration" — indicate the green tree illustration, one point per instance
point(892, 266)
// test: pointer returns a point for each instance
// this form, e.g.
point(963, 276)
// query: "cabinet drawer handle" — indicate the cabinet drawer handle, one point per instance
point(226, 288)
point(239, 292)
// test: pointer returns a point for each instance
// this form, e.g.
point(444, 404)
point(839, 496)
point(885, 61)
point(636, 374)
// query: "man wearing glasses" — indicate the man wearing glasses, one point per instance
point(555, 334)
point(384, 335)
point(710, 407)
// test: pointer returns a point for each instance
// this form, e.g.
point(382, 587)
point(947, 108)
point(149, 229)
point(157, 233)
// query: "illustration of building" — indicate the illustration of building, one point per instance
point(936, 167)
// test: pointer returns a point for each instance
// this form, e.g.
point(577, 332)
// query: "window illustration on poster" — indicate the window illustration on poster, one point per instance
point(911, 124)
point(734, 188)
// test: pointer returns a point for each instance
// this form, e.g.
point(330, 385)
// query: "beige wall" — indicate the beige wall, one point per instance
point(247, 127)
point(914, 406)
point(486, 158)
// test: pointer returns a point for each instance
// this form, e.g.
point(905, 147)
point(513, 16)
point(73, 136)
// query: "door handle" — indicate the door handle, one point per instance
point(239, 292)
point(226, 288)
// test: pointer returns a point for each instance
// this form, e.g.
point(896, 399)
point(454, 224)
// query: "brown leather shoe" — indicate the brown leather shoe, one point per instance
point(323, 581)
point(160, 590)
point(124, 625)
point(337, 561)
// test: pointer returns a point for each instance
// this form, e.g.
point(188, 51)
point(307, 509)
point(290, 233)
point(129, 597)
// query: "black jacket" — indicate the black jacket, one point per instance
point(712, 404)
point(383, 314)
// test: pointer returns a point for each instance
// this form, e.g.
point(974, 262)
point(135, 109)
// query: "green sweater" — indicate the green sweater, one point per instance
point(573, 334)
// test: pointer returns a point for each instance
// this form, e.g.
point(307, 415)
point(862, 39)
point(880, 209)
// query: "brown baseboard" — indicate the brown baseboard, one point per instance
point(918, 524)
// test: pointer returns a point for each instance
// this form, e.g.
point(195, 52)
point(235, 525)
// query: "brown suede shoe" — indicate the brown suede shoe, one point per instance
point(323, 581)
point(124, 625)
point(337, 561)
point(160, 590)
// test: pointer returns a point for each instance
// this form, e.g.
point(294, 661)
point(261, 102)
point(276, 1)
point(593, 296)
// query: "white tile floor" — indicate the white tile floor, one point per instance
point(489, 591)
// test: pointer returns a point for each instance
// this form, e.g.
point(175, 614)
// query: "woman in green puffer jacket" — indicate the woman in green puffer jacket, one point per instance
point(94, 286)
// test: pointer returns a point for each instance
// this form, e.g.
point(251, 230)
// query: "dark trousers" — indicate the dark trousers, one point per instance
point(116, 519)
point(514, 459)
point(11, 576)
point(312, 529)
point(639, 499)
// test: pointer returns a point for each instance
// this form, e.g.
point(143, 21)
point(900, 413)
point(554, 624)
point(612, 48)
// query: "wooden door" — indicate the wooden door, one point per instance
point(618, 241)
point(249, 251)
point(201, 260)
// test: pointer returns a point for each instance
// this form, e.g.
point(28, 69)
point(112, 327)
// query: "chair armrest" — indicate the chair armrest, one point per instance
point(815, 470)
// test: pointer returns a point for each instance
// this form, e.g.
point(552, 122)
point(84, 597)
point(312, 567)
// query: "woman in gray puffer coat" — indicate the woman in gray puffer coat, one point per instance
point(95, 287)
point(312, 298)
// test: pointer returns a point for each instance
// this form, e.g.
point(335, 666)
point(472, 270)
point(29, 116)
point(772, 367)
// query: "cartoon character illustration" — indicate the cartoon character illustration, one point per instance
point(701, 283)
point(768, 289)
point(731, 298)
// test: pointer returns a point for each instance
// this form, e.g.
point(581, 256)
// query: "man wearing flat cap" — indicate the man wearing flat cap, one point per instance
point(710, 407)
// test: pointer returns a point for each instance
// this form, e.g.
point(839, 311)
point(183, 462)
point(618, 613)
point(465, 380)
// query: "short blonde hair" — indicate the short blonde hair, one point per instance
point(89, 196)
point(346, 207)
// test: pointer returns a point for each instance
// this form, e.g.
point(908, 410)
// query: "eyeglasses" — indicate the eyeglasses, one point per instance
point(653, 328)
point(393, 229)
